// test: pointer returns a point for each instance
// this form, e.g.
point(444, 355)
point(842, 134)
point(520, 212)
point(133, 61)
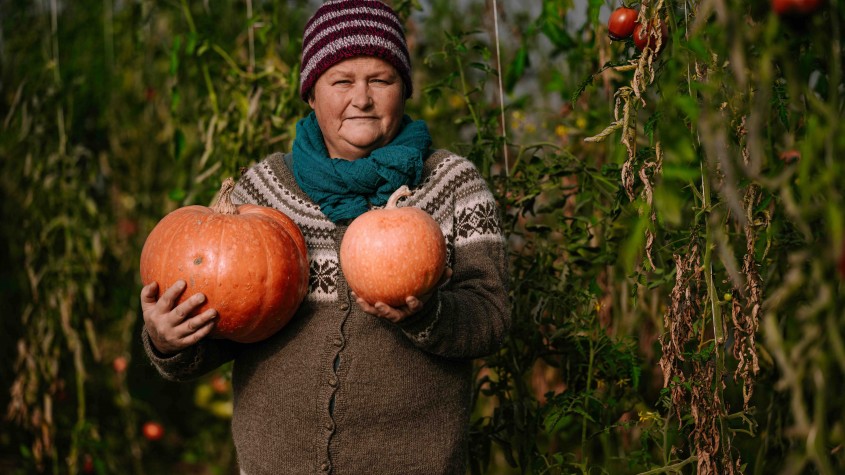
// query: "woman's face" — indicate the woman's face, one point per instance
point(359, 104)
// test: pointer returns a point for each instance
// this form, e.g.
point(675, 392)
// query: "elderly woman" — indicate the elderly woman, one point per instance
point(355, 387)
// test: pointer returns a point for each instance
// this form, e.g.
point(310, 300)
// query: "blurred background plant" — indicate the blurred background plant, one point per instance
point(673, 216)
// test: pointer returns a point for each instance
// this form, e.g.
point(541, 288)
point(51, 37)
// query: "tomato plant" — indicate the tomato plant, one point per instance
point(621, 23)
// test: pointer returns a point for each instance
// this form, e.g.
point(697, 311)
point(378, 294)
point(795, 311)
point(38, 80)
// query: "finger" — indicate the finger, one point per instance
point(187, 308)
point(202, 332)
point(149, 294)
point(365, 306)
point(414, 304)
point(170, 296)
point(175, 345)
point(195, 323)
point(386, 311)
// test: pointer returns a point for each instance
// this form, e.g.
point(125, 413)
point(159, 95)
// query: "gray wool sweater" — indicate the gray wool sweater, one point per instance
point(344, 392)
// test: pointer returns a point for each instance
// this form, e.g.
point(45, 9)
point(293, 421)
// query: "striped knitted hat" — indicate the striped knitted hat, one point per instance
point(343, 29)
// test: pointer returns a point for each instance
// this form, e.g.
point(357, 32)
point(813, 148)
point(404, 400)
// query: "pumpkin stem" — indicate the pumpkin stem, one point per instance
point(224, 203)
point(401, 192)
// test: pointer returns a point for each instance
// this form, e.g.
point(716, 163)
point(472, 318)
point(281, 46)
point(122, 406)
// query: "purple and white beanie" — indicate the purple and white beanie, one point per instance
point(343, 29)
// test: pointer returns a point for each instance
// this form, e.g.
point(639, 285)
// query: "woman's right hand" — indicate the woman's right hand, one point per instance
point(171, 327)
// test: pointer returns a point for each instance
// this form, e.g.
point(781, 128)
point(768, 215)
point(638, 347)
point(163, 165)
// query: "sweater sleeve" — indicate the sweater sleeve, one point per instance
point(192, 362)
point(469, 316)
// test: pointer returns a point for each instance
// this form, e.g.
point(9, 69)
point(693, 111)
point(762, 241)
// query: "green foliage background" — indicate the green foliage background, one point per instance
point(675, 222)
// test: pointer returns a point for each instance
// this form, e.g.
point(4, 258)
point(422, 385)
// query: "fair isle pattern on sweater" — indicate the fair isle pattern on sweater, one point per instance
point(445, 175)
point(341, 392)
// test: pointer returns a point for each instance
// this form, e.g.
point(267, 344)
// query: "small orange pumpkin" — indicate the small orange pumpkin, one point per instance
point(390, 253)
point(250, 261)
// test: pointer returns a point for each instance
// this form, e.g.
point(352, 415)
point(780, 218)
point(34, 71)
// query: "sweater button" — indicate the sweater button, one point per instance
point(324, 467)
point(332, 382)
point(337, 342)
point(329, 425)
point(344, 306)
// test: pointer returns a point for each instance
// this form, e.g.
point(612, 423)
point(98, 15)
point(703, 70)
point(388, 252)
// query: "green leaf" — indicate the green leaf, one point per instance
point(516, 69)
point(191, 44)
point(687, 105)
point(178, 144)
point(553, 26)
point(557, 421)
point(174, 55)
point(593, 11)
point(177, 194)
point(780, 101)
point(633, 246)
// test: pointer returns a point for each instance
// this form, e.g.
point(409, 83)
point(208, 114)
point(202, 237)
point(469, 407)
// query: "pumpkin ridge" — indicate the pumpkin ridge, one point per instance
point(176, 232)
point(256, 230)
point(269, 277)
point(218, 262)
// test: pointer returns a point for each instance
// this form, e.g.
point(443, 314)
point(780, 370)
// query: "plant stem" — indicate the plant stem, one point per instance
point(465, 92)
point(212, 95)
point(674, 468)
point(586, 401)
point(224, 204)
point(716, 311)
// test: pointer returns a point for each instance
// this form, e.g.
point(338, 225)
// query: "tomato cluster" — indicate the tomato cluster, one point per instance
point(623, 24)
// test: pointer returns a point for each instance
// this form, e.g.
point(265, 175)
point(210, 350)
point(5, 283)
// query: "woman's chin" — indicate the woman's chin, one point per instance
point(363, 146)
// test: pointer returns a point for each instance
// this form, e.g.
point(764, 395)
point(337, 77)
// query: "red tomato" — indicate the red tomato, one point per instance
point(795, 7)
point(119, 364)
point(643, 36)
point(219, 384)
point(126, 228)
point(621, 23)
point(790, 156)
point(152, 430)
point(87, 464)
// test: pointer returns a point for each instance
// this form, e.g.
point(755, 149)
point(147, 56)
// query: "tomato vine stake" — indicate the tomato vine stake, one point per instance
point(501, 88)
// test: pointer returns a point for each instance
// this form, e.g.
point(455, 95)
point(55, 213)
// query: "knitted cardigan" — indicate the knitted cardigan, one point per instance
point(344, 392)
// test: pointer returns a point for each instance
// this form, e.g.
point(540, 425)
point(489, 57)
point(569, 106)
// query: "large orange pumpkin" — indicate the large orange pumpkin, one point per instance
point(250, 261)
point(390, 253)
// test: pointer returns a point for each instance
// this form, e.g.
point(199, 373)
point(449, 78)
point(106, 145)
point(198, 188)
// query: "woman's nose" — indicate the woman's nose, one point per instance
point(361, 97)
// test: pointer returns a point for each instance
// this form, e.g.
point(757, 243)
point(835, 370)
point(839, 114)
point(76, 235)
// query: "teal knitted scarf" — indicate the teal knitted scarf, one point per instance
point(345, 189)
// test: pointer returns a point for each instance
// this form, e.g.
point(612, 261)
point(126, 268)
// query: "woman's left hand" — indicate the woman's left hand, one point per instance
point(412, 304)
